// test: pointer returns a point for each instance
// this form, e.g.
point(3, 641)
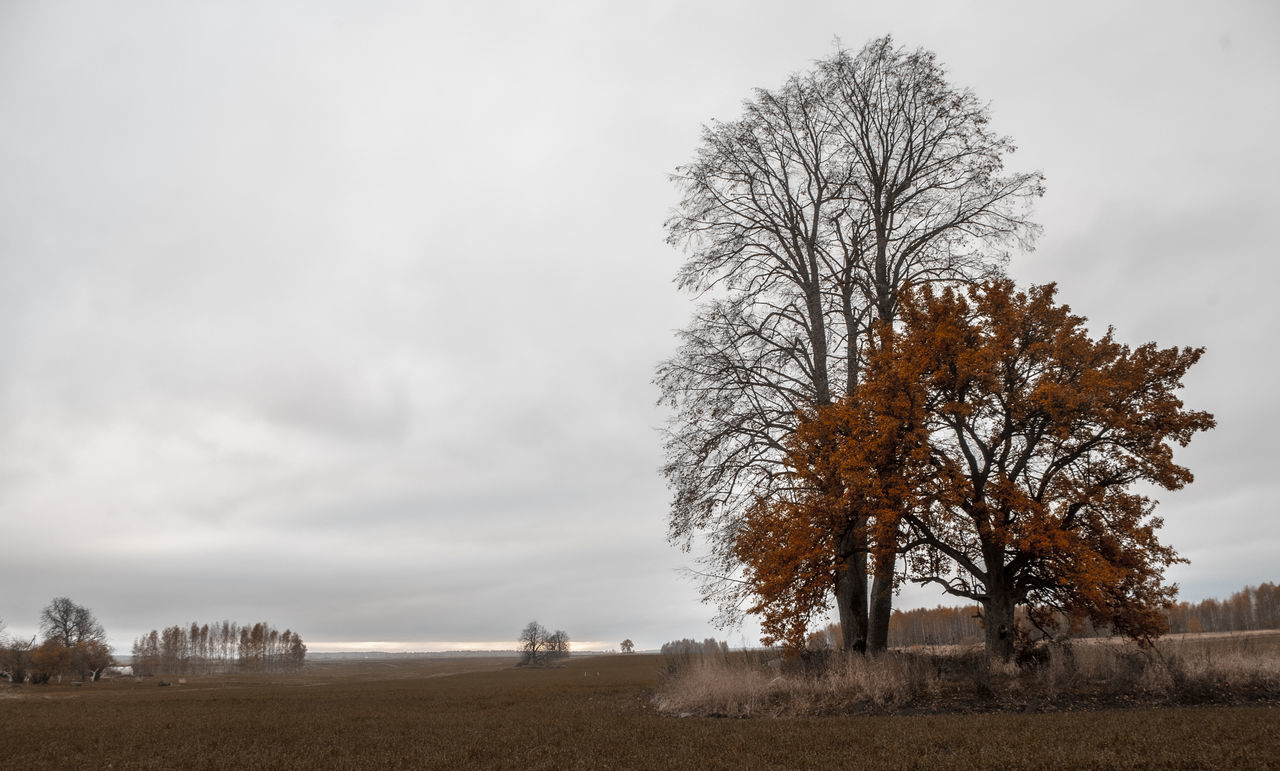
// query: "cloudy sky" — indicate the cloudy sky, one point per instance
point(343, 315)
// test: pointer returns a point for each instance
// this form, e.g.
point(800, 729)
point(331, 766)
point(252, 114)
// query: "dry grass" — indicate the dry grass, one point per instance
point(473, 713)
point(759, 685)
point(1235, 669)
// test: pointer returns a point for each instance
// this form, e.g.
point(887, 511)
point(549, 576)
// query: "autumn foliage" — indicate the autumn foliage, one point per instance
point(996, 444)
point(854, 466)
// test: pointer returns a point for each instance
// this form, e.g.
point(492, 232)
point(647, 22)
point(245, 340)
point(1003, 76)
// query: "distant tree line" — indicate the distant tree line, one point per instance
point(689, 646)
point(221, 647)
point(680, 654)
point(1250, 609)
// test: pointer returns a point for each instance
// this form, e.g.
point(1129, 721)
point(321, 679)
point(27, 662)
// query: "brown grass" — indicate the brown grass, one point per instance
point(1237, 669)
point(470, 713)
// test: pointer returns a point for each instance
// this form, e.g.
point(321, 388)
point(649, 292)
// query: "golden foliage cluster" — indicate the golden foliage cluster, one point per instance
point(996, 444)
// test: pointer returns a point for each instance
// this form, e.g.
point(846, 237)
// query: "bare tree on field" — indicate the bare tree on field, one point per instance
point(537, 644)
point(74, 640)
point(627, 646)
point(803, 220)
point(66, 623)
point(533, 642)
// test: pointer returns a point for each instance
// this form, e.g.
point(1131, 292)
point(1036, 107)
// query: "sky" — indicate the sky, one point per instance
point(344, 315)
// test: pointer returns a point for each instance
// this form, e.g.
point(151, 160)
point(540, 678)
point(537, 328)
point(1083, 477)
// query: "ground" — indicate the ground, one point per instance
point(593, 712)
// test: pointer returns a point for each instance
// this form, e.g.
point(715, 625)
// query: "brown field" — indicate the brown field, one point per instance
point(594, 712)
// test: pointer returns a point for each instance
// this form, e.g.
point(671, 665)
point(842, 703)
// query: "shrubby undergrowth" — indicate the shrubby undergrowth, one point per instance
point(1082, 675)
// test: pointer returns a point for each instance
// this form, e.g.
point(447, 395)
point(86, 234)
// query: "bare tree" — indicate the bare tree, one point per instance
point(66, 623)
point(537, 644)
point(533, 643)
point(627, 646)
point(80, 640)
point(558, 643)
point(803, 220)
point(756, 216)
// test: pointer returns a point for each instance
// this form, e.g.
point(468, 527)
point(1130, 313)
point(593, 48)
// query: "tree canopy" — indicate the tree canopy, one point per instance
point(1000, 446)
point(73, 640)
point(537, 645)
point(802, 221)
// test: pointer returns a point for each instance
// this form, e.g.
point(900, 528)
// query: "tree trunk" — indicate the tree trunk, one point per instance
point(997, 612)
point(881, 607)
point(882, 587)
point(851, 602)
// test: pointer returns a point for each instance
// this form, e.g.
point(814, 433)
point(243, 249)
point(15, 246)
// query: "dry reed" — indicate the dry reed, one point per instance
point(1066, 676)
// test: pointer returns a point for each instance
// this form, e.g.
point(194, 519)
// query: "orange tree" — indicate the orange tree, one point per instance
point(854, 468)
point(998, 444)
point(48, 661)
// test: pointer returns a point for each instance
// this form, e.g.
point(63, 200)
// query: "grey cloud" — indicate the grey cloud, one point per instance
point(344, 317)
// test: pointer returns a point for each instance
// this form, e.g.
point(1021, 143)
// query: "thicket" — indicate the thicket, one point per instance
point(222, 647)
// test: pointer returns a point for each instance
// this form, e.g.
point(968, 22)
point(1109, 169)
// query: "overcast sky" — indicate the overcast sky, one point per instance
point(344, 315)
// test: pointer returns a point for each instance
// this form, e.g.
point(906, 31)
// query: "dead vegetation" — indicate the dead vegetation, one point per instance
point(1232, 670)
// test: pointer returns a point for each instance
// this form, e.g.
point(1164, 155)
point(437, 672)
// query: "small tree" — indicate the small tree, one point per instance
point(50, 660)
point(15, 659)
point(628, 646)
point(80, 640)
point(533, 643)
point(66, 623)
point(146, 654)
point(89, 658)
point(558, 643)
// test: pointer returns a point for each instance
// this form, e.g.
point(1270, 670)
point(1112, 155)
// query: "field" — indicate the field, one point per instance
point(594, 712)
